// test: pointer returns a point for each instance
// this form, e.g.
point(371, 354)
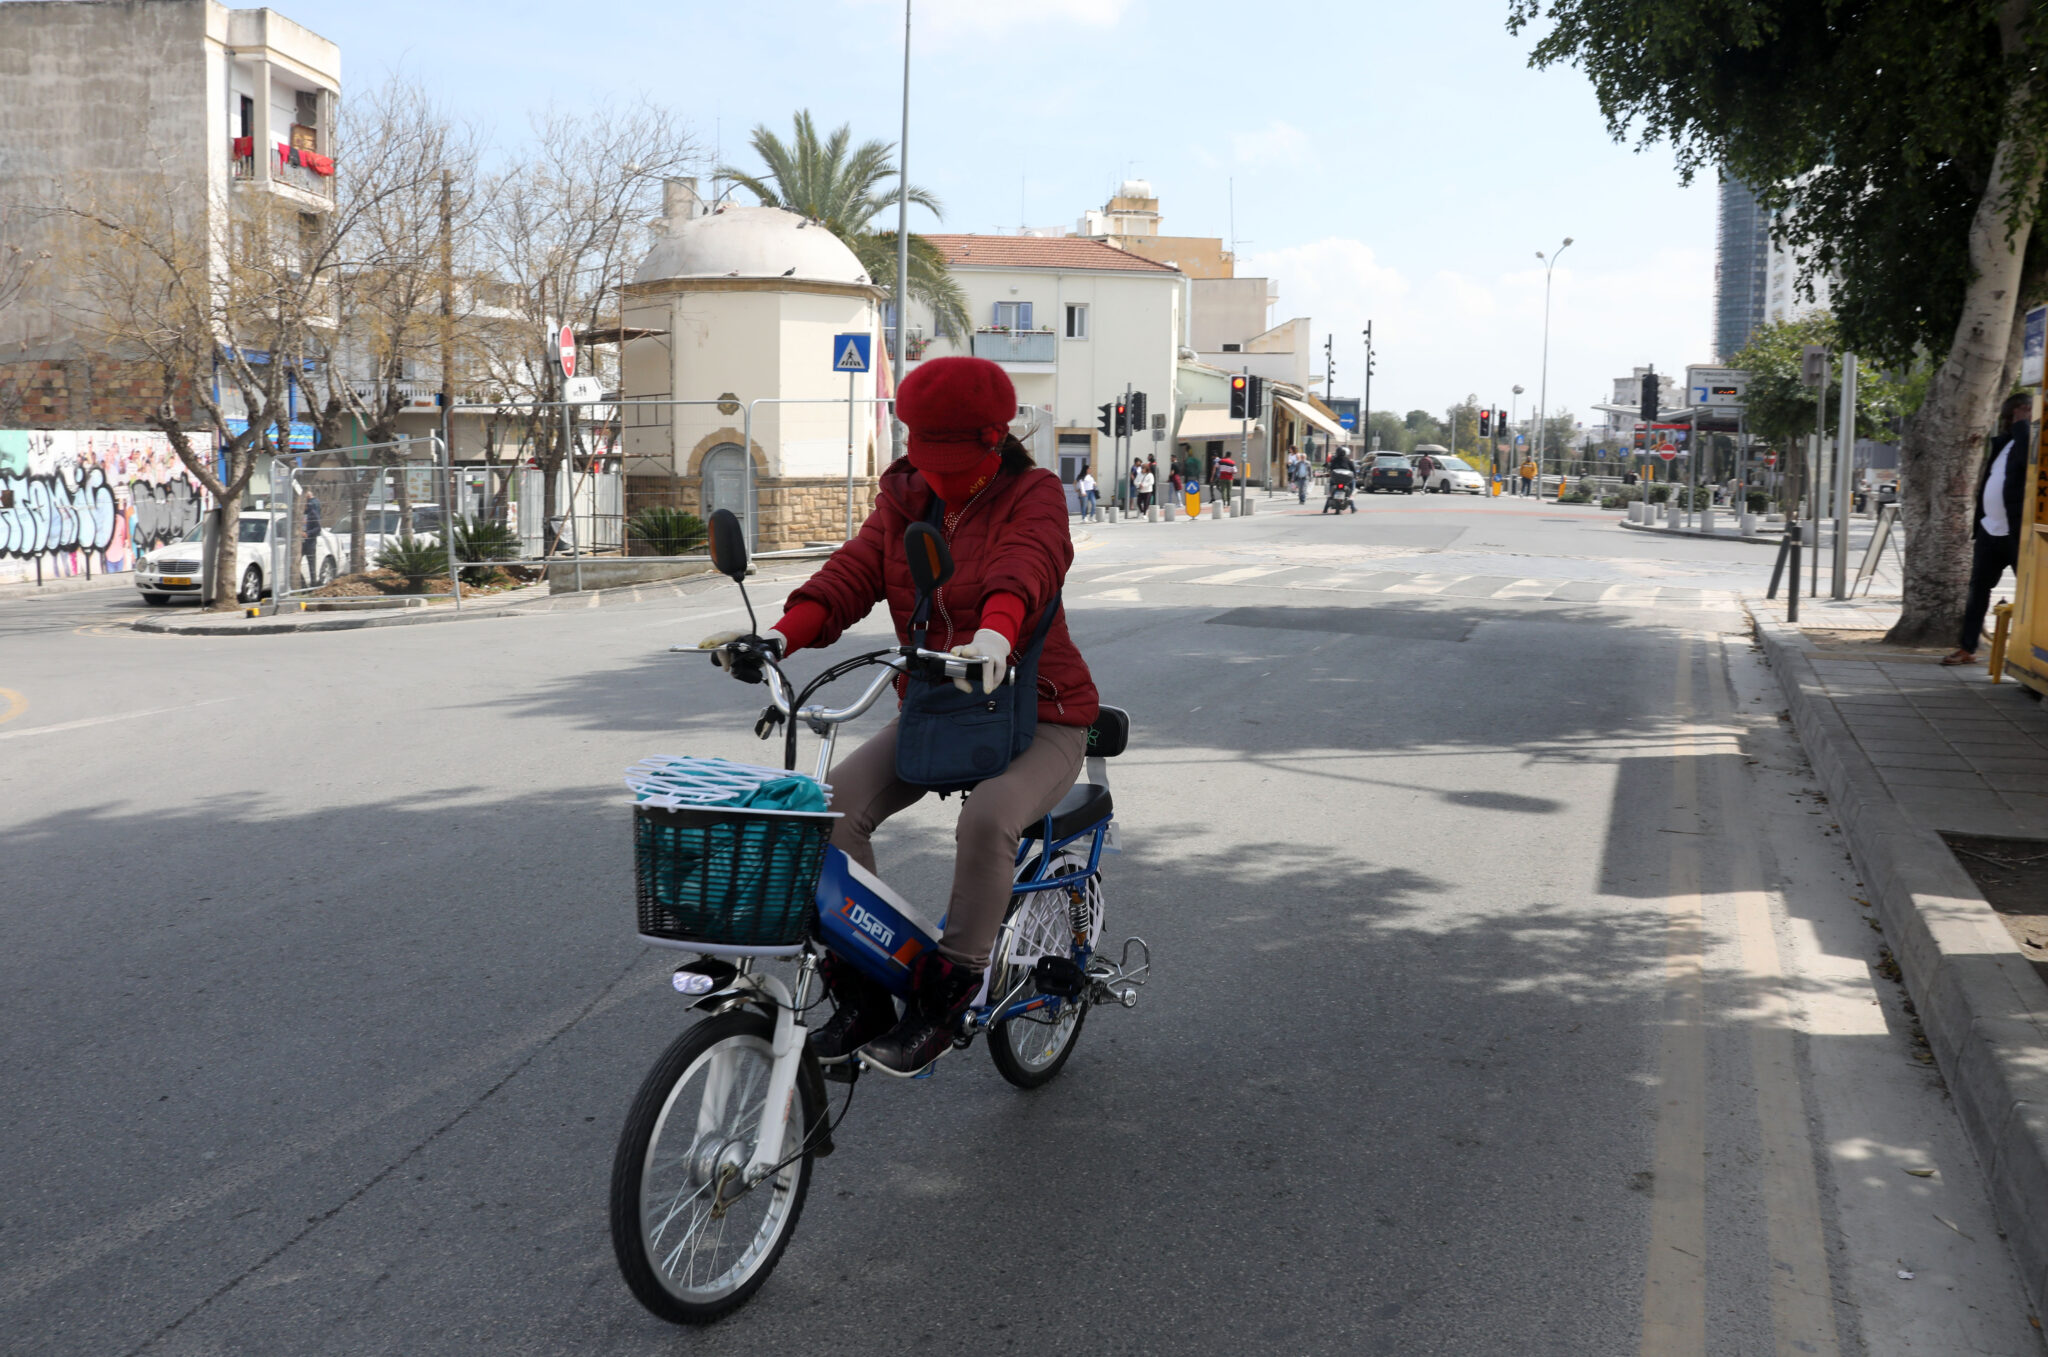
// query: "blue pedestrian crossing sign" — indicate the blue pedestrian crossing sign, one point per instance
point(850, 352)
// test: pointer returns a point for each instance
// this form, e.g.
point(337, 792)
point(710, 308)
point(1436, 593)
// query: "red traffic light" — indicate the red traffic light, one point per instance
point(1237, 383)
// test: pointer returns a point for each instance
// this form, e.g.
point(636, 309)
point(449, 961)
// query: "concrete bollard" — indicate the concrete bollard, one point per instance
point(1166, 507)
point(1707, 519)
point(1215, 508)
point(1746, 525)
point(1152, 514)
point(1673, 517)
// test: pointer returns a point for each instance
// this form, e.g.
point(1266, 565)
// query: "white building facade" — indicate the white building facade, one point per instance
point(1074, 322)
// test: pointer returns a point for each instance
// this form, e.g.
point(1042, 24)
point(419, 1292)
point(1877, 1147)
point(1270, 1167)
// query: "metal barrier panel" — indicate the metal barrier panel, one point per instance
point(366, 525)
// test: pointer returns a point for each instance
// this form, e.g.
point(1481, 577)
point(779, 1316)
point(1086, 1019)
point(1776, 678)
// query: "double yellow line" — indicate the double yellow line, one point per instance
point(1675, 1283)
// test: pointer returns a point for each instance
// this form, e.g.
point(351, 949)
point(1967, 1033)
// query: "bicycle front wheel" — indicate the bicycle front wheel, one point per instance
point(693, 1242)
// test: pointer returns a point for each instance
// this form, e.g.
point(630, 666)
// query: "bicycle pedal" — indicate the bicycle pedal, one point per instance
point(845, 1072)
point(1059, 975)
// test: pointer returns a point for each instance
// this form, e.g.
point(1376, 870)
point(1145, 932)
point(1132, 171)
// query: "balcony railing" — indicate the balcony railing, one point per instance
point(423, 395)
point(1016, 346)
point(243, 167)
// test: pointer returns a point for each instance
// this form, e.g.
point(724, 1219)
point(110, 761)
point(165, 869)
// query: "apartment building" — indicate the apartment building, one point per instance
point(1073, 321)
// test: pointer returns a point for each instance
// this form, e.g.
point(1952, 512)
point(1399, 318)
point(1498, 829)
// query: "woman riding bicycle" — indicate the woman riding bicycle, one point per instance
point(1005, 520)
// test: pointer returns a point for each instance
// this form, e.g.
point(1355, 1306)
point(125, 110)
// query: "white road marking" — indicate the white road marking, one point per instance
point(1530, 589)
point(105, 720)
point(1250, 572)
point(1630, 593)
point(1428, 584)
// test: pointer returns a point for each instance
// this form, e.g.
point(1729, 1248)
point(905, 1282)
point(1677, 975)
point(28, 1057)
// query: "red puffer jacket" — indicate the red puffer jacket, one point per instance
point(1011, 538)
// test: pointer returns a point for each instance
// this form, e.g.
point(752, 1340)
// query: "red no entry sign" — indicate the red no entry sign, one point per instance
point(1666, 451)
point(566, 345)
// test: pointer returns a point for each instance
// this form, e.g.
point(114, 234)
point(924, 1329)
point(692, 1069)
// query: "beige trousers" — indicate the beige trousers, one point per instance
point(866, 791)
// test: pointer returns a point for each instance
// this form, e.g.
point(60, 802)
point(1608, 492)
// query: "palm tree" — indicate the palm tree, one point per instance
point(844, 188)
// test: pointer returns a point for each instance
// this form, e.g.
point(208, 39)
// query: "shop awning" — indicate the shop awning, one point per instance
point(1315, 417)
point(1214, 423)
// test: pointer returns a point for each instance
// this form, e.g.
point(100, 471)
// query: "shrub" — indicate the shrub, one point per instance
point(1575, 497)
point(482, 540)
point(1659, 493)
point(664, 531)
point(1612, 501)
point(1758, 501)
point(416, 558)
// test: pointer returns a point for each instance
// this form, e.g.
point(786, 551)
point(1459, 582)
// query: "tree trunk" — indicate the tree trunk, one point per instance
point(227, 578)
point(1945, 437)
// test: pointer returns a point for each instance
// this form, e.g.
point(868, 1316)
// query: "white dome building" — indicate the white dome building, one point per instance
point(738, 306)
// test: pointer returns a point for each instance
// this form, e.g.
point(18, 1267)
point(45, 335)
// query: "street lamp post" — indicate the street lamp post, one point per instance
point(1365, 415)
point(903, 205)
point(1514, 404)
point(1543, 387)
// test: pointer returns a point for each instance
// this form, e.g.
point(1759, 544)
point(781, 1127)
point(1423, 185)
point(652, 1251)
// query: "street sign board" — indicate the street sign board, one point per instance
point(2034, 346)
point(1347, 420)
point(583, 391)
point(1770, 459)
point(565, 350)
point(850, 353)
point(1666, 451)
point(1720, 389)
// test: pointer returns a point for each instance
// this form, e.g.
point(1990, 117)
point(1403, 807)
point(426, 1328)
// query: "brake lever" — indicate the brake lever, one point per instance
point(767, 722)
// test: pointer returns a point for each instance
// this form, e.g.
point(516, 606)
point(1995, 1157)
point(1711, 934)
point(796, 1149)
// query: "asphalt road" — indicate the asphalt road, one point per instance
point(1512, 993)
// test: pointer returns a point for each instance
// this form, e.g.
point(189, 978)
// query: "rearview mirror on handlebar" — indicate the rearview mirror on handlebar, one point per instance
point(931, 562)
point(728, 545)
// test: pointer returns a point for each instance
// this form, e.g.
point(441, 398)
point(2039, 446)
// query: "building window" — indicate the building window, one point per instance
point(1013, 315)
point(1077, 322)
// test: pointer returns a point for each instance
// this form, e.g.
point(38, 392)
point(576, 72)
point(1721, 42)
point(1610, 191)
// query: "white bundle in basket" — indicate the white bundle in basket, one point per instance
point(679, 782)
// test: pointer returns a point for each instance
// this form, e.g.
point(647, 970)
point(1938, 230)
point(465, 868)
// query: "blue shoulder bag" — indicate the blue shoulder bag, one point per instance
point(947, 740)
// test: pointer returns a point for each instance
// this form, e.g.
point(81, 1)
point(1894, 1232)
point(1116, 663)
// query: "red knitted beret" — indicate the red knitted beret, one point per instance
point(955, 401)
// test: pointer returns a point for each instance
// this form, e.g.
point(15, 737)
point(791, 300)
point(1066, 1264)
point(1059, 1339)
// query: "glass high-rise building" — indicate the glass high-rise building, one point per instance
point(1741, 268)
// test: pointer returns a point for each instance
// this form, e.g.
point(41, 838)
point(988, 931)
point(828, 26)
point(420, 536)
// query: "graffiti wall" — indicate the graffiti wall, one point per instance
point(71, 501)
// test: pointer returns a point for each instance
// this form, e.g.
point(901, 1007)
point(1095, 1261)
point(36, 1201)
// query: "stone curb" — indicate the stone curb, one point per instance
point(1982, 1006)
point(279, 626)
point(1755, 539)
point(69, 584)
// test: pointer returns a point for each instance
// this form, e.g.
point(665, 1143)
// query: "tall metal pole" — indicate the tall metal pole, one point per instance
point(1365, 415)
point(1543, 387)
point(1845, 470)
point(849, 456)
point(903, 204)
point(1813, 473)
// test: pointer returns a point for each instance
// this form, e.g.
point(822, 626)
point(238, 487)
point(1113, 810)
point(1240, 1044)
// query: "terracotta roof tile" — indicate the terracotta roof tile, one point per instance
point(1041, 252)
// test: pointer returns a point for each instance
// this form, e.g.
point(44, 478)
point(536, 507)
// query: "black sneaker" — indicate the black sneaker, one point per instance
point(862, 1009)
point(940, 991)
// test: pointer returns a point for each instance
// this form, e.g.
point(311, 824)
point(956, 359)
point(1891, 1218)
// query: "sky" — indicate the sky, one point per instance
point(1393, 163)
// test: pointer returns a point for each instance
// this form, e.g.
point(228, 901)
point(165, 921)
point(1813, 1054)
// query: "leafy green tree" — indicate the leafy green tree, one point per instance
point(1392, 434)
point(1905, 140)
point(846, 188)
point(1781, 406)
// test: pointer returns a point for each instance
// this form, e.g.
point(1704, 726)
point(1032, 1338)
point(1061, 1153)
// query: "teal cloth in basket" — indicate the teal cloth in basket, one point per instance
point(795, 792)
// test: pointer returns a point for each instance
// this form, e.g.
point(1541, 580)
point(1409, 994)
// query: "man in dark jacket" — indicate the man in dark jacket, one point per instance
point(1995, 517)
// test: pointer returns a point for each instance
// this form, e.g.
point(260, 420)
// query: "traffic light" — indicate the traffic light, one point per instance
point(1108, 414)
point(1813, 365)
point(1500, 422)
point(1137, 399)
point(1486, 423)
point(1649, 398)
point(1123, 420)
point(1239, 388)
point(1255, 396)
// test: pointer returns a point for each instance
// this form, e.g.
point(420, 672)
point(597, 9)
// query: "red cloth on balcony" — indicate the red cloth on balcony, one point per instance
point(317, 163)
point(244, 146)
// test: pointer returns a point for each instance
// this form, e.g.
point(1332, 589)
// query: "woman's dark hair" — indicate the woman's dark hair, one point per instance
point(1016, 457)
point(2017, 406)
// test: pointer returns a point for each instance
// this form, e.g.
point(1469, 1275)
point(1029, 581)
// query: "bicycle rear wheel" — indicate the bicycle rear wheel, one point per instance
point(1029, 1050)
point(692, 1244)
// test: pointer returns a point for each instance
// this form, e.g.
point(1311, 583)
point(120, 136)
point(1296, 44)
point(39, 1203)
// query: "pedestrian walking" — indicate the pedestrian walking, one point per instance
point(1226, 476)
point(1528, 473)
point(1298, 471)
point(1084, 490)
point(1994, 533)
point(1148, 478)
point(312, 546)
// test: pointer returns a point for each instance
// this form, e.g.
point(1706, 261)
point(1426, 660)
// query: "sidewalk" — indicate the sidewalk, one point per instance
point(68, 584)
point(1907, 750)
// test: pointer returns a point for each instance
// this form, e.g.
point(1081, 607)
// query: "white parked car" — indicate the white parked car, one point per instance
point(382, 523)
point(1442, 475)
point(174, 571)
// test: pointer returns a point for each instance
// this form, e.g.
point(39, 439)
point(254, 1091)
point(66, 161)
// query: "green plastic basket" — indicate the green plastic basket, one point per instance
point(727, 877)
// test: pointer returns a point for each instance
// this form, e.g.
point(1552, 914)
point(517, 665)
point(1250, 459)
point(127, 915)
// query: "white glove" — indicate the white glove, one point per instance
point(717, 642)
point(992, 650)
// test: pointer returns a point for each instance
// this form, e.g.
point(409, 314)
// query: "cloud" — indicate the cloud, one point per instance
point(1449, 333)
point(1278, 143)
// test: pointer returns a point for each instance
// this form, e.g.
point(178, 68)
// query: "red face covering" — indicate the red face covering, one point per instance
point(957, 471)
